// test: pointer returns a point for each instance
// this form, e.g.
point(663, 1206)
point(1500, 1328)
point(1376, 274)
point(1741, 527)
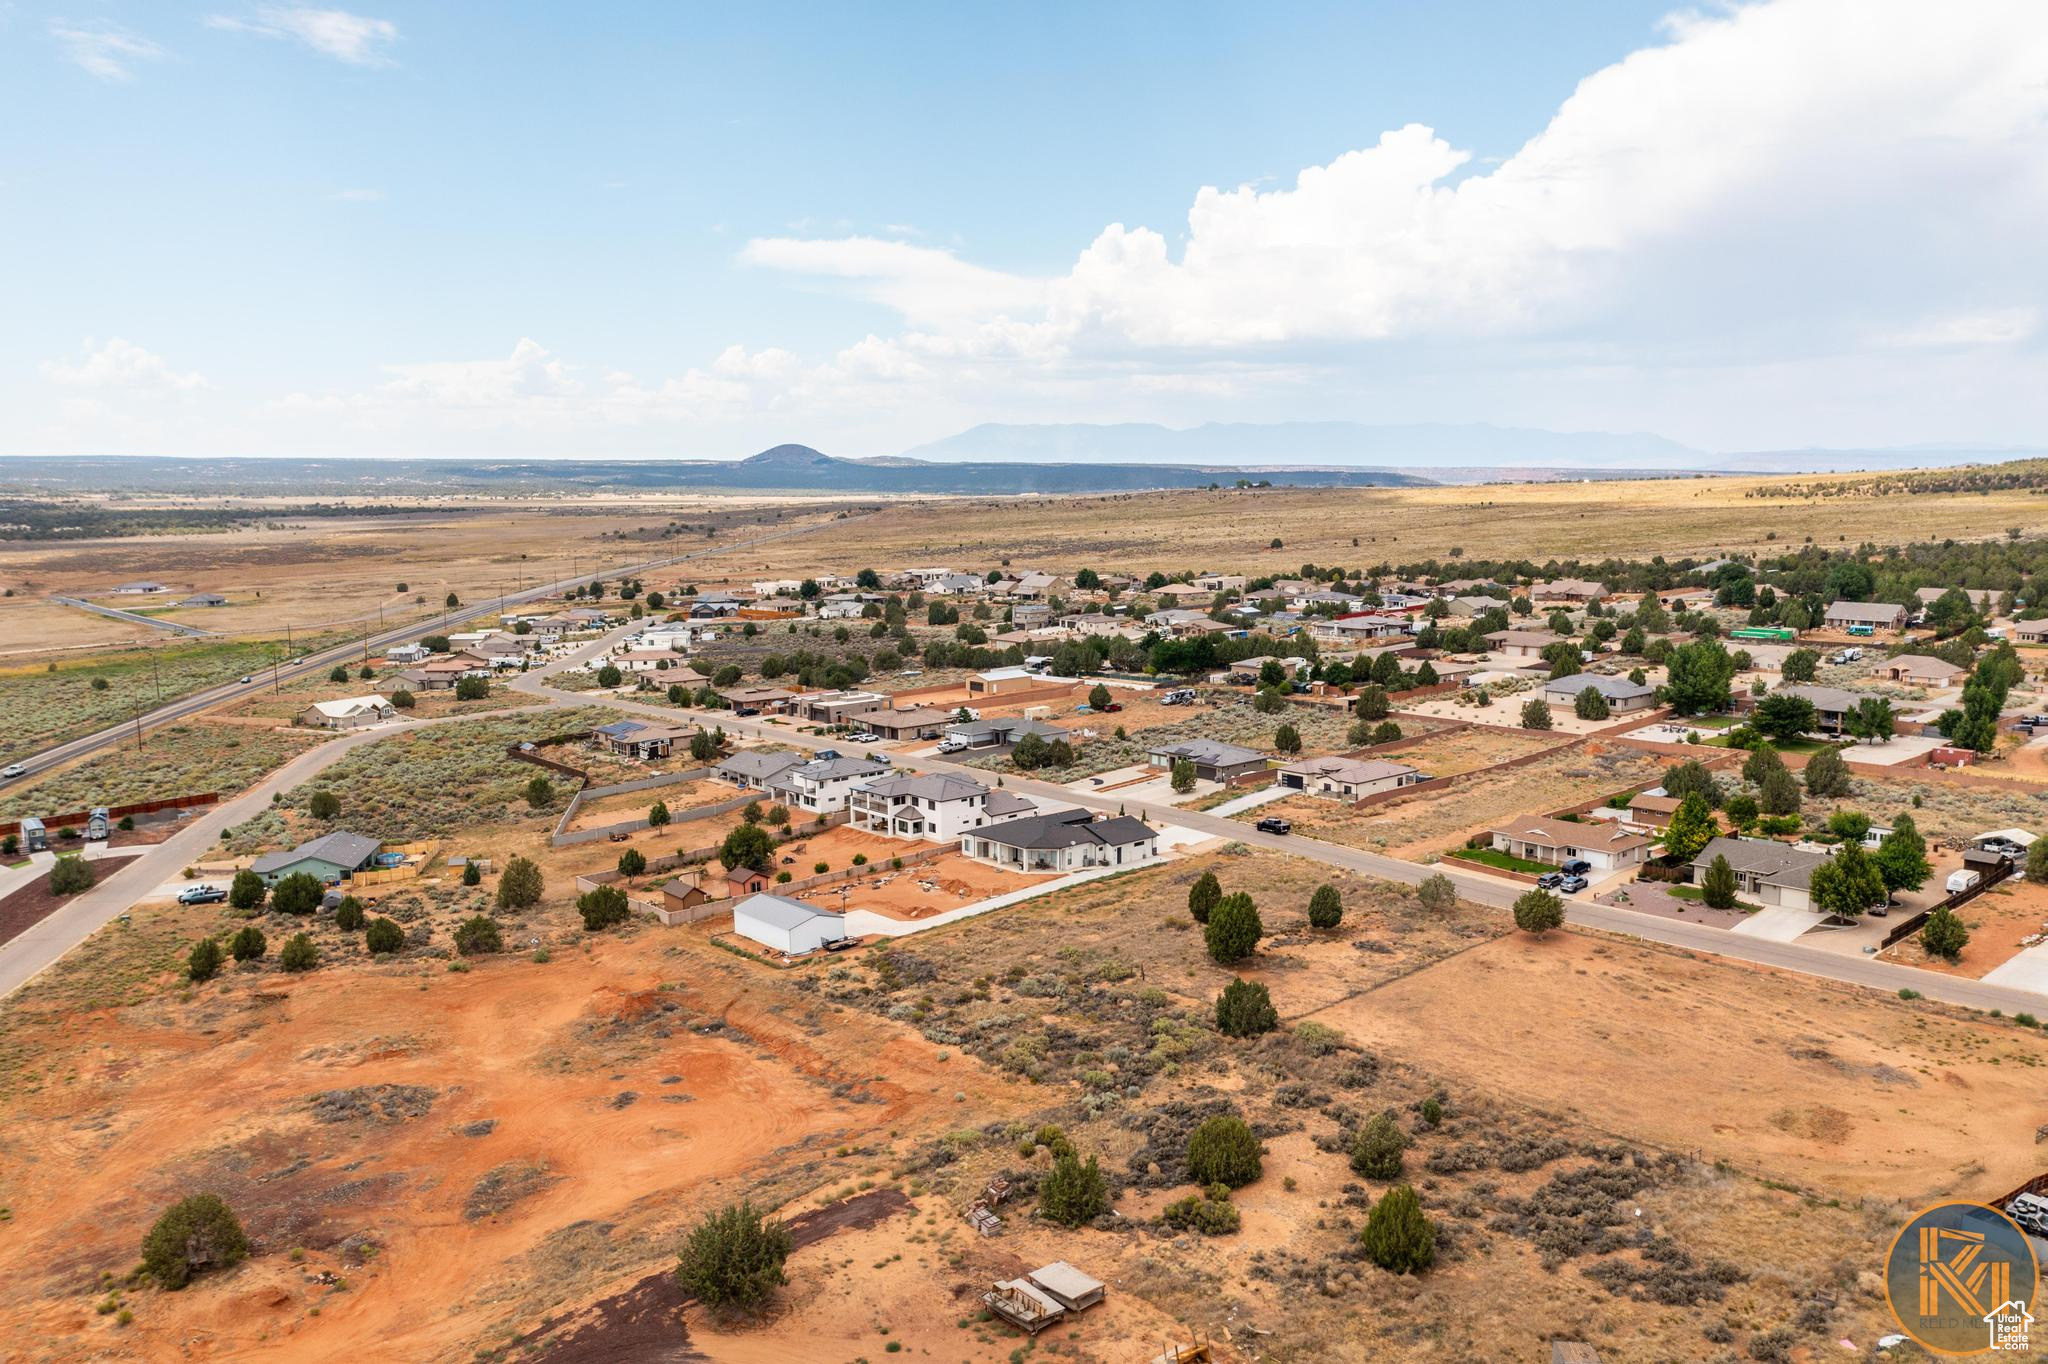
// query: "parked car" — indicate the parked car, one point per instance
point(201, 895)
point(1273, 824)
point(1114, 706)
point(1576, 866)
point(2030, 1211)
point(864, 737)
point(1183, 697)
point(1550, 880)
point(952, 745)
point(1572, 885)
point(12, 770)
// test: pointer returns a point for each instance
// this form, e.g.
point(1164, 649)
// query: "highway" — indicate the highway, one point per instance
point(135, 618)
point(354, 649)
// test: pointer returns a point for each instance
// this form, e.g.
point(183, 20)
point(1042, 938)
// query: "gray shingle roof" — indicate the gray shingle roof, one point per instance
point(936, 786)
point(1762, 858)
point(757, 765)
point(1613, 688)
point(1068, 829)
point(340, 848)
point(1214, 752)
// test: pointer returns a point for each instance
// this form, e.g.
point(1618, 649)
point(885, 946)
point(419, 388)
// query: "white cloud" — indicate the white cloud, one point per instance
point(1771, 183)
point(121, 365)
point(107, 51)
point(352, 38)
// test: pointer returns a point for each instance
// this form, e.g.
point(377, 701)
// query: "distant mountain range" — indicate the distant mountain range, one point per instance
point(1429, 446)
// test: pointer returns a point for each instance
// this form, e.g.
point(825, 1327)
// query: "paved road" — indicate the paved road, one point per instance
point(1809, 961)
point(342, 653)
point(134, 617)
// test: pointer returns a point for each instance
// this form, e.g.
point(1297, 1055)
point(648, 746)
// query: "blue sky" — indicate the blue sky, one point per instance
point(688, 230)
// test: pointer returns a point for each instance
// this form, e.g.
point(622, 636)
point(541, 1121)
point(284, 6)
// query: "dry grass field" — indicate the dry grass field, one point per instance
point(1232, 531)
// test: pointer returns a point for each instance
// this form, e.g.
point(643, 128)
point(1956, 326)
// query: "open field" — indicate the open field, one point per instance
point(1433, 820)
point(185, 759)
point(1837, 1090)
point(343, 573)
point(1998, 920)
point(1231, 530)
point(46, 702)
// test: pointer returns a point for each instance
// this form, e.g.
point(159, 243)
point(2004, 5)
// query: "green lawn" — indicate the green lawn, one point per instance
point(1715, 722)
point(1793, 746)
point(1504, 861)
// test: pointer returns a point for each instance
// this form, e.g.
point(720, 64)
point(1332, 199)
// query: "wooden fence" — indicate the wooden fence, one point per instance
point(119, 812)
point(1907, 927)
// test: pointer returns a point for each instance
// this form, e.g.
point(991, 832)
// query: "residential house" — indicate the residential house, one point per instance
point(712, 605)
point(408, 653)
point(1248, 669)
point(1214, 760)
point(791, 927)
point(822, 786)
point(836, 707)
point(1765, 658)
point(1567, 592)
point(935, 806)
point(1831, 705)
point(139, 589)
point(1347, 778)
point(672, 666)
point(330, 858)
point(1623, 696)
point(205, 599)
point(1471, 608)
point(1983, 599)
point(1184, 594)
point(757, 700)
point(441, 673)
point(841, 608)
point(1538, 838)
point(1766, 871)
point(1521, 643)
point(1878, 615)
point(1181, 622)
point(1063, 841)
point(922, 723)
point(1347, 628)
point(1922, 670)
point(350, 713)
point(1003, 681)
point(753, 769)
point(1652, 812)
point(1337, 602)
point(956, 585)
point(999, 731)
point(1030, 615)
point(2030, 631)
point(502, 651)
point(642, 739)
point(1220, 582)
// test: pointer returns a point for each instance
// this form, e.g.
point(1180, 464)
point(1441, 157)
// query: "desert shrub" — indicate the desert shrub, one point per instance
point(248, 944)
point(733, 1258)
point(472, 688)
point(323, 805)
point(1325, 908)
point(1944, 935)
point(203, 961)
point(1224, 1150)
point(246, 891)
point(478, 935)
point(1432, 1111)
point(603, 907)
point(299, 893)
point(193, 1234)
point(71, 875)
point(632, 862)
point(540, 792)
point(383, 936)
point(1245, 1009)
point(520, 885)
point(298, 954)
point(1233, 930)
point(472, 873)
point(1318, 1039)
point(1210, 1212)
point(1398, 1237)
point(657, 814)
point(1437, 892)
point(1376, 1152)
point(1536, 714)
point(403, 699)
point(1073, 1193)
point(1538, 911)
point(1206, 891)
point(348, 915)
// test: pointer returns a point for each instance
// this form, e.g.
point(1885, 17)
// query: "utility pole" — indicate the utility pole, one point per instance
point(138, 726)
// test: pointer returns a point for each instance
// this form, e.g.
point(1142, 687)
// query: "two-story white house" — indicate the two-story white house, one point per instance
point(933, 806)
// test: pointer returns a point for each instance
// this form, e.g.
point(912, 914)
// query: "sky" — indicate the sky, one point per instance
point(686, 230)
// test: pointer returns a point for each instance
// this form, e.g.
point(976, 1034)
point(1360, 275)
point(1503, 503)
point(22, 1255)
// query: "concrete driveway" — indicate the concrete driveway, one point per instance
point(1774, 923)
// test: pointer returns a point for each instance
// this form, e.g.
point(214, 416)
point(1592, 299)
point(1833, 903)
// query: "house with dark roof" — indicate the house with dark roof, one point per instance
point(1063, 841)
point(1831, 705)
point(1766, 871)
point(330, 857)
point(752, 769)
point(1214, 760)
point(1000, 730)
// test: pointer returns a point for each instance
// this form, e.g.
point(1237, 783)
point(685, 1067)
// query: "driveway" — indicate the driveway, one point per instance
point(2027, 971)
point(1774, 923)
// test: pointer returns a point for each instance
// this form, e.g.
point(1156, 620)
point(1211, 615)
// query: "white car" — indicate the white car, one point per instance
point(864, 738)
point(11, 771)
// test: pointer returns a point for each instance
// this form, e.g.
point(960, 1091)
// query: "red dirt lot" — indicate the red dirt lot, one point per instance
point(506, 1139)
point(32, 903)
